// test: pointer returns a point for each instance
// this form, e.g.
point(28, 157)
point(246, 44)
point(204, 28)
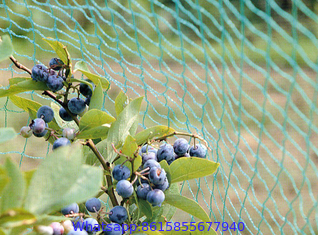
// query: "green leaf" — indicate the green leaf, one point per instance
point(17, 217)
point(152, 132)
point(27, 105)
point(82, 67)
point(137, 162)
point(186, 168)
point(120, 129)
point(4, 179)
point(27, 85)
point(6, 47)
point(6, 134)
point(145, 208)
point(130, 146)
point(97, 97)
point(27, 177)
point(120, 102)
point(95, 118)
point(60, 50)
point(94, 133)
point(46, 193)
point(187, 205)
point(13, 192)
point(16, 80)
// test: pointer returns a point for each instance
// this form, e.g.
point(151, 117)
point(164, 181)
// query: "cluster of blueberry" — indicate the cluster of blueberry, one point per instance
point(154, 180)
point(39, 128)
point(53, 80)
point(79, 226)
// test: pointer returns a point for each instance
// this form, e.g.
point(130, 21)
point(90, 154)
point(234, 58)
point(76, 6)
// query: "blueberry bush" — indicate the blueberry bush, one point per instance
point(94, 155)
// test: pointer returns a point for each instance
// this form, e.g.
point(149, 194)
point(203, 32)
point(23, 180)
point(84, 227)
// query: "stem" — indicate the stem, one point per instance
point(89, 143)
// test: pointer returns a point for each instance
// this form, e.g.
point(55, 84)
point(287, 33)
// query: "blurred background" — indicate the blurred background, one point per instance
point(240, 73)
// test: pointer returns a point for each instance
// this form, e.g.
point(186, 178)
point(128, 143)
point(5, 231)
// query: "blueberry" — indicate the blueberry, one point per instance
point(143, 190)
point(46, 113)
point(91, 225)
point(42, 133)
point(124, 188)
point(180, 146)
point(118, 214)
point(121, 172)
point(77, 232)
point(60, 142)
point(113, 229)
point(88, 100)
point(58, 229)
point(163, 186)
point(64, 115)
point(151, 163)
point(148, 156)
point(198, 151)
point(155, 197)
point(147, 148)
point(93, 204)
point(70, 209)
point(165, 152)
point(157, 175)
point(174, 158)
point(55, 82)
point(85, 89)
point(26, 131)
point(76, 105)
point(40, 73)
point(69, 133)
point(38, 125)
point(56, 64)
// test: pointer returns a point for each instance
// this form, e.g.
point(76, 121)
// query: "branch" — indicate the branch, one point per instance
point(20, 66)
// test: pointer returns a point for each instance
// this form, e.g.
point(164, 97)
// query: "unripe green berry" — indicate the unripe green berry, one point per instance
point(69, 133)
point(26, 131)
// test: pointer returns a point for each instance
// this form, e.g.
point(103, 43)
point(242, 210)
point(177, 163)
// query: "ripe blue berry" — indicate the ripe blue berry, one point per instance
point(157, 175)
point(54, 82)
point(198, 151)
point(121, 172)
point(147, 148)
point(56, 64)
point(151, 163)
point(180, 146)
point(58, 229)
point(163, 186)
point(64, 115)
point(174, 158)
point(40, 73)
point(124, 188)
point(70, 209)
point(91, 225)
point(85, 89)
point(155, 197)
point(88, 100)
point(76, 105)
point(42, 133)
point(46, 113)
point(148, 156)
point(143, 190)
point(165, 152)
point(77, 232)
point(38, 126)
point(113, 229)
point(60, 142)
point(26, 132)
point(93, 205)
point(118, 214)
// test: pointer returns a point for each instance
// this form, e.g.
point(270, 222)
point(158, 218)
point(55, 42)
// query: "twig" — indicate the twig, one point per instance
point(20, 66)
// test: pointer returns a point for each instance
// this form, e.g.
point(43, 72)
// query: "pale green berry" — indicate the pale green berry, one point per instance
point(26, 131)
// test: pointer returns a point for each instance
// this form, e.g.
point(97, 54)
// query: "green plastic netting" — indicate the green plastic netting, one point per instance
point(242, 74)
